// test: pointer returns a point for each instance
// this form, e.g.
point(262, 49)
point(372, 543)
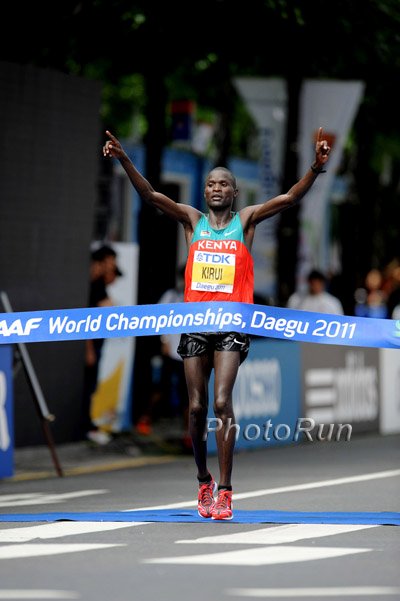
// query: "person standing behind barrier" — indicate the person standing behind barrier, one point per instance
point(103, 271)
point(221, 351)
point(370, 301)
point(169, 375)
point(393, 301)
point(316, 298)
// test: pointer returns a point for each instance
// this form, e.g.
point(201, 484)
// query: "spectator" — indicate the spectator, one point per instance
point(393, 301)
point(316, 298)
point(168, 372)
point(103, 271)
point(371, 299)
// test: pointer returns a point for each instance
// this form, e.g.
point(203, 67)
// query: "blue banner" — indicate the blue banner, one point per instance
point(151, 320)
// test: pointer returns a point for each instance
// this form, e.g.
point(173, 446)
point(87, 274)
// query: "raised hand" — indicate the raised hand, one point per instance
point(112, 148)
point(322, 149)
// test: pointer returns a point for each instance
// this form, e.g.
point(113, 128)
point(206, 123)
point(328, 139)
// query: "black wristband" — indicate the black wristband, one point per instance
point(316, 170)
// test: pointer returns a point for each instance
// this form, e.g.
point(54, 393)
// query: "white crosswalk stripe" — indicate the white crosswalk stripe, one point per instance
point(276, 535)
point(38, 550)
point(41, 594)
point(261, 556)
point(45, 498)
point(59, 530)
point(318, 592)
point(52, 530)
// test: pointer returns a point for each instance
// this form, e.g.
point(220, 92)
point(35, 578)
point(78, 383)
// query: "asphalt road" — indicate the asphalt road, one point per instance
point(124, 561)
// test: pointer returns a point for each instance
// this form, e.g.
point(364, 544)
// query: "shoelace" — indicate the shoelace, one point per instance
point(206, 495)
point(223, 499)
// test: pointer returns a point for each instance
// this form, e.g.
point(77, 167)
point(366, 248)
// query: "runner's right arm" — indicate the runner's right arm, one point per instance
point(183, 213)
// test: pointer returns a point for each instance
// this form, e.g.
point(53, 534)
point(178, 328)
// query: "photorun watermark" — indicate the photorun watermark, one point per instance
point(304, 429)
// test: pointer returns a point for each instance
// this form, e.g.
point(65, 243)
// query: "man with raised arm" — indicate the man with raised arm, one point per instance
point(219, 268)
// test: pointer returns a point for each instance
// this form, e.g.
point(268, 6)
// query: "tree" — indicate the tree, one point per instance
point(145, 51)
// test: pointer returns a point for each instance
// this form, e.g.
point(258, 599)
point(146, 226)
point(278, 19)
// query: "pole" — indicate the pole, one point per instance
point(40, 403)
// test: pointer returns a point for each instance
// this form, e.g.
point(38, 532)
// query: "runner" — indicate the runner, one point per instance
point(219, 268)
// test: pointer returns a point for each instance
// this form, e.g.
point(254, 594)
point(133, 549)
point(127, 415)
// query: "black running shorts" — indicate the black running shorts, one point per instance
point(193, 345)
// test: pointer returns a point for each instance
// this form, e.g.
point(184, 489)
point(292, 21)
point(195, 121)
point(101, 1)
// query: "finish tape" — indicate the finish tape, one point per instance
point(152, 320)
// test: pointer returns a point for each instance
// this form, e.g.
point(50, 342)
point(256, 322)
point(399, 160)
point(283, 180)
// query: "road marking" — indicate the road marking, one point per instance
point(261, 556)
point(321, 593)
point(60, 529)
point(37, 594)
point(278, 535)
point(266, 555)
point(43, 498)
point(22, 551)
point(275, 491)
point(15, 497)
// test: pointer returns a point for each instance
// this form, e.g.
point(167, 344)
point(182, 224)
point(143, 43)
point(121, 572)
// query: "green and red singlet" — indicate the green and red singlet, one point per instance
point(219, 265)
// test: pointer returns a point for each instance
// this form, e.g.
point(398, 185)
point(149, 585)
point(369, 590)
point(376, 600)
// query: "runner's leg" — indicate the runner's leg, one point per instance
point(226, 366)
point(197, 373)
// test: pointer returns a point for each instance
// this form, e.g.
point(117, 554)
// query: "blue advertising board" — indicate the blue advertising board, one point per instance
point(266, 396)
point(6, 413)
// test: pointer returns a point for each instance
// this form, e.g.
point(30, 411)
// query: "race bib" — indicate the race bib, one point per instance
point(213, 271)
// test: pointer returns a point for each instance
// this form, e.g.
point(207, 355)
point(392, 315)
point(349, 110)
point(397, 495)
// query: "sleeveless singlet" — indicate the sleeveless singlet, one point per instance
point(219, 265)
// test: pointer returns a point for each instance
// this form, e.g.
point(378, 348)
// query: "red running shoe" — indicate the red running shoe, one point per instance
point(223, 506)
point(205, 499)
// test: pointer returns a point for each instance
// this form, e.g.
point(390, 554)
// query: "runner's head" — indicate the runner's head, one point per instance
point(220, 189)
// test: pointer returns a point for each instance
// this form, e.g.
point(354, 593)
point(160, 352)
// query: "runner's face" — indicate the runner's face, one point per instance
point(219, 190)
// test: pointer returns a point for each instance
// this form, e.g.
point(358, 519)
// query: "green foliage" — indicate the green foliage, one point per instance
point(194, 50)
point(244, 142)
point(384, 147)
point(114, 41)
point(122, 106)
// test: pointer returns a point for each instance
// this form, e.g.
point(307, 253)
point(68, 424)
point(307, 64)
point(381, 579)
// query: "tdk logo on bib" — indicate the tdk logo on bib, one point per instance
point(214, 258)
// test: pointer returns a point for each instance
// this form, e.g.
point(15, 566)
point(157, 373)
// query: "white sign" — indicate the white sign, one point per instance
point(390, 391)
point(332, 105)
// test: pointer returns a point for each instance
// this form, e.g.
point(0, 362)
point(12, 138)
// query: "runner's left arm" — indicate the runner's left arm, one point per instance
point(250, 216)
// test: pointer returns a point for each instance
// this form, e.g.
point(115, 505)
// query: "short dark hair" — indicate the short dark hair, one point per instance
point(102, 252)
point(227, 172)
point(315, 274)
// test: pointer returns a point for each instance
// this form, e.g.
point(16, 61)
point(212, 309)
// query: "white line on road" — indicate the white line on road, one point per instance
point(19, 496)
point(261, 556)
point(321, 593)
point(275, 491)
point(60, 529)
point(20, 551)
point(43, 498)
point(278, 535)
point(37, 594)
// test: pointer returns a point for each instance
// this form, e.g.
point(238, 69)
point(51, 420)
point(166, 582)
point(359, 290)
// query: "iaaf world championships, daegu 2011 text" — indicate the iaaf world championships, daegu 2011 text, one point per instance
point(288, 327)
point(148, 320)
point(122, 323)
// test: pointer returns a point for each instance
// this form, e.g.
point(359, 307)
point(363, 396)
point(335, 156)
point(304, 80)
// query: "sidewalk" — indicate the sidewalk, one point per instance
point(127, 450)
